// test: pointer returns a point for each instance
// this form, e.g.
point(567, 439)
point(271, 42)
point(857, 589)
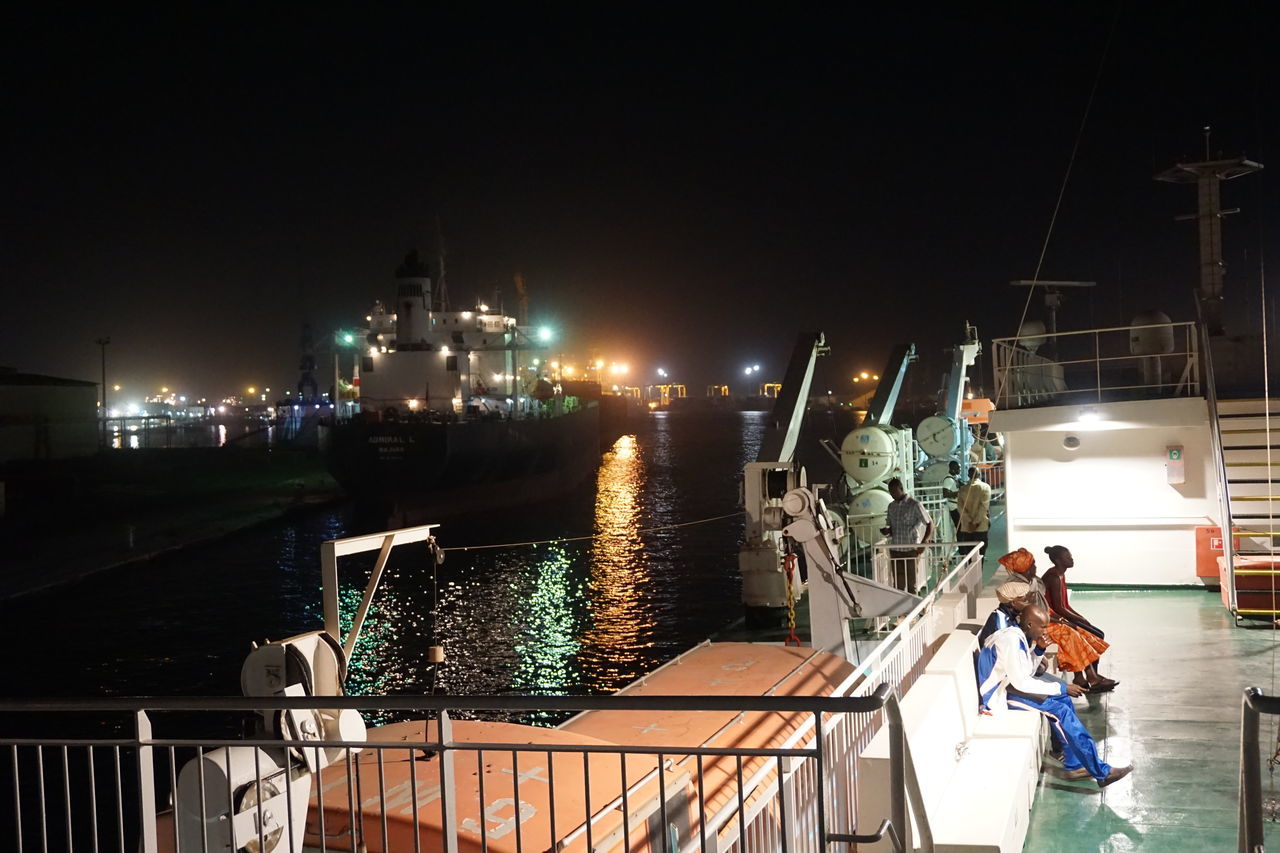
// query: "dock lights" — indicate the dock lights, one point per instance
point(545, 334)
point(755, 368)
point(662, 373)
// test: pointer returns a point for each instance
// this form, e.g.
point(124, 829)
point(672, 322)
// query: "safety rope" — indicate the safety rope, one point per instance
point(567, 539)
point(789, 565)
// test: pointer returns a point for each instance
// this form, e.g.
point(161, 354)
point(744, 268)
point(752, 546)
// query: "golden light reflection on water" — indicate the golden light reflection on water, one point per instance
point(619, 630)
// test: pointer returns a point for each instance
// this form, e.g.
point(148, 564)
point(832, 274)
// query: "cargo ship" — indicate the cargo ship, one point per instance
point(453, 411)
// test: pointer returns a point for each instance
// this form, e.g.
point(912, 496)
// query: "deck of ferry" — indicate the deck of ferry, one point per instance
point(1182, 666)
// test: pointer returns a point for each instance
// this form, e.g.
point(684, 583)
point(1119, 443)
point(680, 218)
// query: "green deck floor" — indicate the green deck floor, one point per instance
point(1182, 665)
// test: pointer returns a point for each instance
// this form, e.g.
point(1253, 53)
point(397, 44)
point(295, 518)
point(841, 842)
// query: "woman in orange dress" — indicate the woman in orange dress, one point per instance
point(1078, 649)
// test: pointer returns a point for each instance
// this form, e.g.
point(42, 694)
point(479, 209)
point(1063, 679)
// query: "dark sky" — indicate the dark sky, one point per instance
point(677, 191)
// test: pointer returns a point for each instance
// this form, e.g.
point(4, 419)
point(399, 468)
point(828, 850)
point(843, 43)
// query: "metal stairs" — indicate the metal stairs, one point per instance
point(1251, 457)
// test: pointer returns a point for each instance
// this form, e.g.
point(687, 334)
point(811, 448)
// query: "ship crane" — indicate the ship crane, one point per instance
point(945, 436)
point(784, 513)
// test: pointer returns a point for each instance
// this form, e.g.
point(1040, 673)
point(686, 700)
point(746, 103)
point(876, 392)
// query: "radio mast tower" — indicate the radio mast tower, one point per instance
point(1208, 176)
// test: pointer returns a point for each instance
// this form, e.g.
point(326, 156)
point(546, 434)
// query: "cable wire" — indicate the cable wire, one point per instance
point(566, 539)
point(1062, 190)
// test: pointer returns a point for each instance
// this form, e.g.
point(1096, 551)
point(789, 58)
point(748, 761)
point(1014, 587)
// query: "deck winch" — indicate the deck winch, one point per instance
point(253, 799)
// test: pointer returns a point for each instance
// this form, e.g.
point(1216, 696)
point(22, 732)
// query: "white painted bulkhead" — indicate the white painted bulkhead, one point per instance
point(1109, 499)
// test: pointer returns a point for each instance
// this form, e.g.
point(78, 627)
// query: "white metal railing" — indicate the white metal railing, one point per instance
point(102, 787)
point(898, 658)
point(1095, 364)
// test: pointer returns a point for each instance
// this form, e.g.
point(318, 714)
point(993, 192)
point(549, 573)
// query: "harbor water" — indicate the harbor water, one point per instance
point(579, 595)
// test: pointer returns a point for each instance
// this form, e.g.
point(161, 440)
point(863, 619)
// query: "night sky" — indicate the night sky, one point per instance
point(679, 189)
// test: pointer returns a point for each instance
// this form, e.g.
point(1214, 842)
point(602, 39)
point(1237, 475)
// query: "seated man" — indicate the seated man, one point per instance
point(1006, 668)
point(1013, 598)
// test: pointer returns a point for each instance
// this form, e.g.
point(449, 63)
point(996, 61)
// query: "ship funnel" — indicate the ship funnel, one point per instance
point(413, 301)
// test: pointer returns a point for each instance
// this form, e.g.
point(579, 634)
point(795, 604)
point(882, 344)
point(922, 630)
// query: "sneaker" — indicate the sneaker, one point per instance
point(1116, 774)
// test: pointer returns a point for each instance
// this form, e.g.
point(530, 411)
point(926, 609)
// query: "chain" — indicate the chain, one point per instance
point(789, 564)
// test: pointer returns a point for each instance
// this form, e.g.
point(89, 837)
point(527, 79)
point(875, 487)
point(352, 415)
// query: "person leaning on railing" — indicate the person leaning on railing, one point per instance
point(906, 516)
point(1078, 650)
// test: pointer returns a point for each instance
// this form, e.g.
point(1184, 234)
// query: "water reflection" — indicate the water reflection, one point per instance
point(576, 616)
point(546, 624)
point(619, 631)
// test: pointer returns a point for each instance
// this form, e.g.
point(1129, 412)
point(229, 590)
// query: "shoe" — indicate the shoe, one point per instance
point(1106, 683)
point(1116, 774)
point(1101, 687)
point(1056, 754)
point(1077, 774)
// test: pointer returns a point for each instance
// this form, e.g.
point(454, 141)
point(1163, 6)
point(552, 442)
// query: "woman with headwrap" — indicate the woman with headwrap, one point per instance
point(1078, 650)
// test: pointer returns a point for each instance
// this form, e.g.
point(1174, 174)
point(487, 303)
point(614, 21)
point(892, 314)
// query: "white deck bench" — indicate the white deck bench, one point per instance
point(977, 774)
point(954, 658)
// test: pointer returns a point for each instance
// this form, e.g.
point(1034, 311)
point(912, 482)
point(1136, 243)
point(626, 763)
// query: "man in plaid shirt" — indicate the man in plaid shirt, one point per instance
point(907, 518)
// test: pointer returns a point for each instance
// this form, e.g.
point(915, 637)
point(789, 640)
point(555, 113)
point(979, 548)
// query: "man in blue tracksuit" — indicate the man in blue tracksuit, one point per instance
point(1007, 679)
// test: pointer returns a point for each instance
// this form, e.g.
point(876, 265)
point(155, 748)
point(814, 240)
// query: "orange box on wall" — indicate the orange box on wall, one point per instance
point(1208, 550)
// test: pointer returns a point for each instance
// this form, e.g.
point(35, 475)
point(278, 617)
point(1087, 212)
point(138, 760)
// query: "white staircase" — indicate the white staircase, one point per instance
point(1251, 452)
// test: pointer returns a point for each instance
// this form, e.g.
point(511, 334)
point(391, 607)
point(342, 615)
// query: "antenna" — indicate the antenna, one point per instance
point(1208, 176)
point(1052, 302)
point(442, 285)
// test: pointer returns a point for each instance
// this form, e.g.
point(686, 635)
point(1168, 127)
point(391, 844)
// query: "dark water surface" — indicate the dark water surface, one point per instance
point(573, 617)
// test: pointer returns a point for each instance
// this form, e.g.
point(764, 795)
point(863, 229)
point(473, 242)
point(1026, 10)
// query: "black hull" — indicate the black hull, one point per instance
point(426, 471)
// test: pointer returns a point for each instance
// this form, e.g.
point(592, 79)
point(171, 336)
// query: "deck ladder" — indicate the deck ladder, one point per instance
point(1251, 458)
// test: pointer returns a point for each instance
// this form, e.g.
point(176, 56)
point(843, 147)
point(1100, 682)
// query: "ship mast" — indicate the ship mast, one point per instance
point(1208, 176)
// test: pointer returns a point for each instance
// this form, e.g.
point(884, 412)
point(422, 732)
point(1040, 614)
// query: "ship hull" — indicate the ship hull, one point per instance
point(417, 469)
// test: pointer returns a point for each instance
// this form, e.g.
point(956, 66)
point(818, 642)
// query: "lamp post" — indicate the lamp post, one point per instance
point(102, 427)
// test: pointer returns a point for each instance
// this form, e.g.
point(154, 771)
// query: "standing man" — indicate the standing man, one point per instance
point(975, 512)
point(909, 525)
point(951, 491)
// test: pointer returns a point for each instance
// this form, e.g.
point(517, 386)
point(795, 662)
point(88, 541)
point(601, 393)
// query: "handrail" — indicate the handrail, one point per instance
point(1220, 463)
point(1011, 360)
point(1249, 837)
point(1091, 331)
point(616, 702)
point(443, 743)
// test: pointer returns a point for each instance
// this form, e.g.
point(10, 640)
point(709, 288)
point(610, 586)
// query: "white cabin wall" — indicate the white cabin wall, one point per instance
point(1109, 500)
point(411, 374)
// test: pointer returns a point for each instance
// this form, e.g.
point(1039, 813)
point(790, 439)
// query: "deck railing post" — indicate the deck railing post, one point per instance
point(329, 589)
point(898, 773)
point(148, 841)
point(448, 792)
point(1249, 834)
point(819, 761)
